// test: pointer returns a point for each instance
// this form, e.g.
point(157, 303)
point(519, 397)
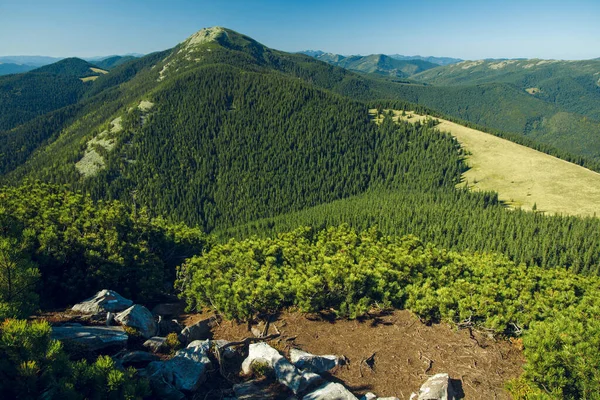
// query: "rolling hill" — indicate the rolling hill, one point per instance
point(26, 96)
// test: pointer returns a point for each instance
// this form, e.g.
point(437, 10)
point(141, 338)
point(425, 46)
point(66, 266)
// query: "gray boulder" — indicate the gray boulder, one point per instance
point(161, 387)
point(140, 318)
point(156, 344)
point(201, 330)
point(186, 371)
point(91, 338)
point(330, 391)
point(437, 387)
point(103, 301)
point(286, 374)
point(311, 362)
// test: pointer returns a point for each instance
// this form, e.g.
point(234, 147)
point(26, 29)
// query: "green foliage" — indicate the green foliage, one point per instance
point(81, 246)
point(351, 272)
point(172, 342)
point(18, 277)
point(563, 352)
point(32, 365)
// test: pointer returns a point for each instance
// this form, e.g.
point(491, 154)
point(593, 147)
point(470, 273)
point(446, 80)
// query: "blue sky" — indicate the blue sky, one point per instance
point(460, 28)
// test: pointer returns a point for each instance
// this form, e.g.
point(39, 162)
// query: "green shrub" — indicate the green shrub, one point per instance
point(172, 342)
point(563, 353)
point(33, 366)
point(352, 272)
point(82, 246)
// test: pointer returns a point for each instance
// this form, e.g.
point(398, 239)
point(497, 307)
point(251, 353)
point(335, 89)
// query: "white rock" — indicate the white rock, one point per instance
point(330, 391)
point(285, 372)
point(310, 362)
point(103, 301)
point(140, 318)
point(438, 387)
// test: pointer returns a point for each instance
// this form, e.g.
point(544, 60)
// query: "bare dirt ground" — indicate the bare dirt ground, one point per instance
point(523, 177)
point(404, 352)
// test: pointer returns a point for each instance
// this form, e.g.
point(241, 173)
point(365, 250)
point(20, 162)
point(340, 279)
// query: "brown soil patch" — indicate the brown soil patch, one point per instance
point(406, 352)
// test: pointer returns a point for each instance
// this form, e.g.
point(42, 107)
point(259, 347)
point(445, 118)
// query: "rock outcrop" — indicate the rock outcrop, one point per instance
point(438, 387)
point(140, 318)
point(91, 338)
point(102, 302)
point(186, 371)
point(286, 374)
point(311, 362)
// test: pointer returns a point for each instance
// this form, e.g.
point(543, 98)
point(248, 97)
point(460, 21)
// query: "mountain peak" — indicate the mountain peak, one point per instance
point(205, 35)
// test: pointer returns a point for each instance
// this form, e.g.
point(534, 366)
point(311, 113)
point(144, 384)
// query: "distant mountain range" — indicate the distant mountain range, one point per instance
point(20, 64)
point(431, 59)
point(375, 63)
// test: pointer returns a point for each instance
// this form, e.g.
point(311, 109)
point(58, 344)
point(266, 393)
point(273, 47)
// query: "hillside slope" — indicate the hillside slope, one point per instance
point(26, 96)
point(523, 177)
point(572, 85)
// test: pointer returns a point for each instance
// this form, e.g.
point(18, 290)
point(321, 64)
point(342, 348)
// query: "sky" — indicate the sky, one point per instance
point(464, 29)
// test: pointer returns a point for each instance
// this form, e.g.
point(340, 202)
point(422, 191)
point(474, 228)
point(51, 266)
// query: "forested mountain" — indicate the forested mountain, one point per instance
point(572, 85)
point(114, 61)
point(45, 89)
point(377, 64)
point(236, 139)
point(551, 102)
point(429, 59)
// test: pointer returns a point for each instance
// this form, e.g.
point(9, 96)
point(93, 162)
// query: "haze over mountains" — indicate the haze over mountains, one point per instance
point(20, 64)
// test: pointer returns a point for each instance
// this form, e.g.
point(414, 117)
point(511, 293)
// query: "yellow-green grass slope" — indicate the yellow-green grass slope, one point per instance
point(523, 177)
